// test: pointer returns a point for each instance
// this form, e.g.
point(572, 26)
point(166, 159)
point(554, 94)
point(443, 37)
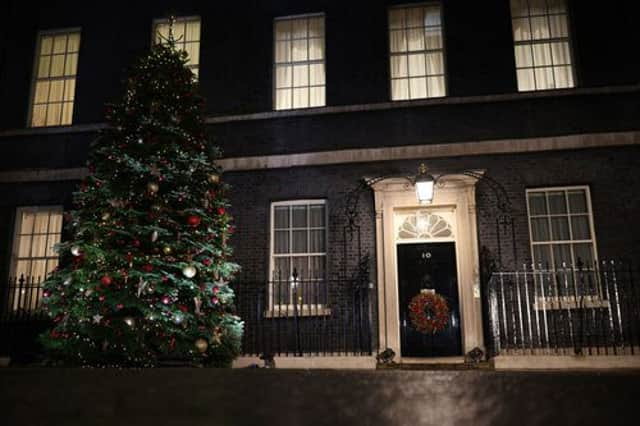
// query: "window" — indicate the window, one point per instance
point(298, 245)
point(54, 85)
point(299, 62)
point(186, 32)
point(417, 52)
point(37, 230)
point(542, 44)
point(561, 227)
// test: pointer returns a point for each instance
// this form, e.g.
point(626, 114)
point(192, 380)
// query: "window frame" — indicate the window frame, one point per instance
point(565, 189)
point(274, 64)
point(569, 39)
point(440, 4)
point(34, 73)
point(305, 308)
point(189, 18)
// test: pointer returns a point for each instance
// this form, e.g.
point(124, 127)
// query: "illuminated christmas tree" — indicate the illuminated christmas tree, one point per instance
point(145, 273)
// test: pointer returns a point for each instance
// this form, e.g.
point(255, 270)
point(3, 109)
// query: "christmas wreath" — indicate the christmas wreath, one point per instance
point(428, 312)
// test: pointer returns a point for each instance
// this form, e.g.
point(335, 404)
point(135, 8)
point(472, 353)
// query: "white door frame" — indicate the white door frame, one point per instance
point(452, 192)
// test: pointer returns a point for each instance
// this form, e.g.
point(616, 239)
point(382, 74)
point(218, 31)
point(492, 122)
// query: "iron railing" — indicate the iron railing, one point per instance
point(20, 319)
point(298, 317)
point(583, 310)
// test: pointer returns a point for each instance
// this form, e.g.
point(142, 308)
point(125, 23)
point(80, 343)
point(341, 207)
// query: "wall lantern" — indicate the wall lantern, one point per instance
point(424, 184)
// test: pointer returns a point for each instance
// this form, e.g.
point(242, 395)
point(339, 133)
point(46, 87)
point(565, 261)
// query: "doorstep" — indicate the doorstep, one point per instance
point(329, 362)
point(565, 362)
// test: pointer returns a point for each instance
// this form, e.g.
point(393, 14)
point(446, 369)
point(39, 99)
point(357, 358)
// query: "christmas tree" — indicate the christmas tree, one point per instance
point(145, 272)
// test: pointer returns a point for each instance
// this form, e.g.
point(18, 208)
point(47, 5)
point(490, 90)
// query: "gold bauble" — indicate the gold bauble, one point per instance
point(189, 271)
point(153, 187)
point(106, 216)
point(201, 345)
point(213, 178)
point(167, 250)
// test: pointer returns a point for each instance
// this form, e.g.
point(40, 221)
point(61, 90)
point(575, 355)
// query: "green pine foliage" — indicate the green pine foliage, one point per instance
point(150, 214)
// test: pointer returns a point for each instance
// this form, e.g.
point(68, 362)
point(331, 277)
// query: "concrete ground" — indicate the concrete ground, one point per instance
point(177, 396)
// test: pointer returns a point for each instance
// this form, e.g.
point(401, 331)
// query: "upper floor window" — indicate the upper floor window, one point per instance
point(561, 227)
point(417, 52)
point(299, 62)
point(542, 44)
point(54, 82)
point(186, 33)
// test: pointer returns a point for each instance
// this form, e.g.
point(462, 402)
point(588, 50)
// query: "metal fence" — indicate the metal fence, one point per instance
point(20, 320)
point(305, 317)
point(588, 310)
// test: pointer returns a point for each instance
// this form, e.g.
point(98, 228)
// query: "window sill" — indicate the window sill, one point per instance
point(569, 302)
point(303, 311)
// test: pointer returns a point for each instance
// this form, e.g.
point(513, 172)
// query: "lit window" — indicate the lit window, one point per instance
point(542, 44)
point(299, 62)
point(417, 52)
point(561, 227)
point(298, 251)
point(37, 231)
point(186, 32)
point(55, 74)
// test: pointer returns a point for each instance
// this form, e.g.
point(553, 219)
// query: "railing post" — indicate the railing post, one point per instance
point(296, 319)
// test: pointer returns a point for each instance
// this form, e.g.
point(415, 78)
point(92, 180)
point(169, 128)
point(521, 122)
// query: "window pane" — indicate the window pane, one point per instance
point(283, 30)
point(415, 38)
point(316, 96)
point(300, 52)
point(301, 98)
point(540, 28)
point(73, 42)
point(316, 241)
point(283, 99)
point(557, 6)
point(39, 115)
point(53, 240)
point(281, 243)
point(41, 223)
point(432, 16)
point(526, 80)
point(57, 65)
point(560, 53)
point(563, 77)
point(39, 269)
point(317, 264)
point(544, 78)
point(54, 112)
point(299, 216)
point(557, 203)
point(316, 27)
point(317, 216)
point(24, 246)
point(316, 74)
point(415, 17)
point(584, 254)
point(39, 246)
point(435, 86)
point(560, 228)
point(418, 88)
point(283, 51)
point(46, 45)
point(299, 241)
point(43, 66)
point(558, 24)
point(577, 201)
point(60, 44)
point(434, 64)
point(519, 8)
point(300, 75)
point(193, 31)
point(42, 92)
point(540, 229)
point(400, 89)
point(524, 56)
point(299, 28)
point(67, 113)
point(399, 66)
point(541, 54)
point(300, 265)
point(396, 18)
point(284, 75)
point(398, 41)
point(417, 66)
point(580, 227)
point(281, 269)
point(542, 256)
point(433, 38)
point(537, 7)
point(193, 53)
point(537, 203)
point(316, 49)
point(57, 90)
point(69, 89)
point(521, 29)
point(281, 217)
point(71, 64)
point(562, 255)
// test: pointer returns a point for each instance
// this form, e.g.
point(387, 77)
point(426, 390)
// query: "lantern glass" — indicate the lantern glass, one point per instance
point(424, 189)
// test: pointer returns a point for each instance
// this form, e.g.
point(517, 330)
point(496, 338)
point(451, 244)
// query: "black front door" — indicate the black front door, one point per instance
point(428, 267)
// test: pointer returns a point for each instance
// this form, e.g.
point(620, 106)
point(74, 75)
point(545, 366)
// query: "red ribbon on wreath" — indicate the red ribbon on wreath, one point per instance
point(428, 312)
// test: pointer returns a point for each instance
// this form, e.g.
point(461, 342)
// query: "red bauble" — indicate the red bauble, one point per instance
point(147, 267)
point(214, 300)
point(119, 306)
point(106, 280)
point(135, 243)
point(221, 211)
point(193, 220)
point(183, 308)
point(206, 261)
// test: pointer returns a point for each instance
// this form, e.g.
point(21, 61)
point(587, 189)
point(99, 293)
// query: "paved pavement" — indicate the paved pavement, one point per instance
point(176, 396)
